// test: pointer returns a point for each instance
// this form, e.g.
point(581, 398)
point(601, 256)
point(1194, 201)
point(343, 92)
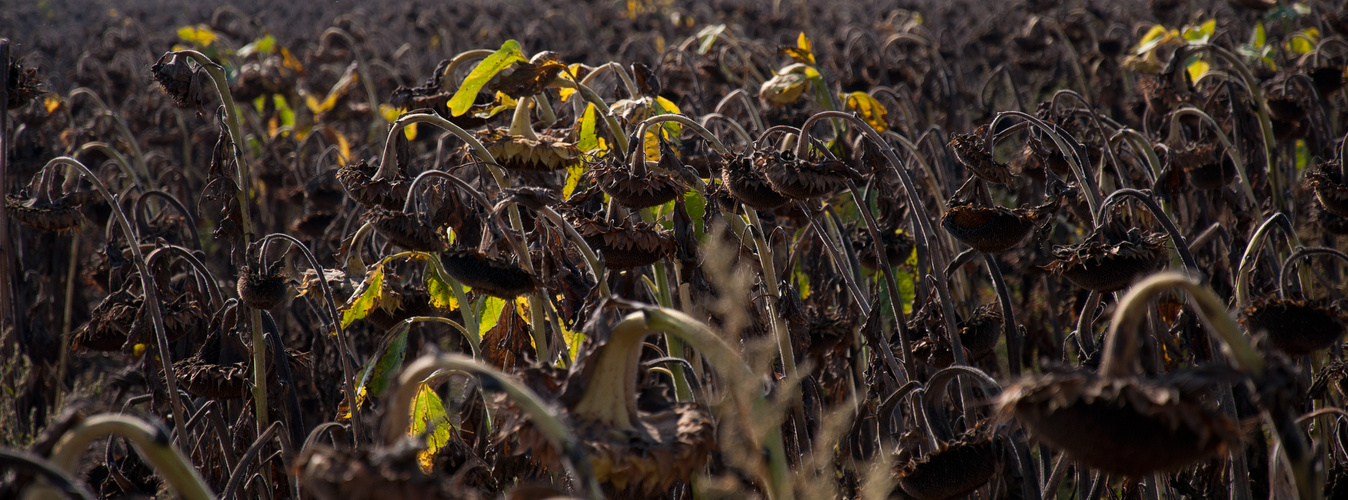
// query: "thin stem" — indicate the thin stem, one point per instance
point(1226, 145)
point(748, 104)
point(1059, 139)
point(148, 287)
point(1243, 275)
point(1301, 253)
point(1177, 238)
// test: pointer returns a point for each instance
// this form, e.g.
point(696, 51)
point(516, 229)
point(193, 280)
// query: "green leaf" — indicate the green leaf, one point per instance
point(1303, 41)
point(283, 109)
point(696, 206)
point(1200, 33)
point(1260, 37)
point(429, 419)
point(264, 45)
point(1303, 155)
point(489, 312)
point(365, 299)
point(442, 296)
point(200, 35)
point(573, 340)
point(588, 139)
point(509, 53)
point(707, 37)
point(379, 371)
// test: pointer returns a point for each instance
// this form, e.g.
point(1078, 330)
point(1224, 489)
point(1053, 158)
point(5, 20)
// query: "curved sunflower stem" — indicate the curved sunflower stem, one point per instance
point(1121, 338)
point(62, 481)
point(746, 102)
point(730, 123)
point(520, 123)
point(348, 373)
point(148, 288)
point(138, 212)
point(461, 59)
point(117, 158)
point(212, 287)
point(640, 156)
point(1257, 96)
point(1059, 138)
point(1301, 253)
point(1226, 144)
point(779, 328)
point(548, 420)
point(473, 341)
point(729, 367)
point(361, 70)
point(614, 128)
point(1090, 111)
point(617, 69)
point(1277, 219)
point(1177, 238)
point(1141, 144)
point(150, 441)
point(122, 128)
point(1009, 328)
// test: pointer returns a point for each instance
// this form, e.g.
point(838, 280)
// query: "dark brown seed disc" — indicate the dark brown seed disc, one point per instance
point(1120, 426)
point(627, 247)
point(1296, 327)
point(951, 472)
point(1327, 80)
point(1285, 108)
point(494, 277)
point(260, 289)
point(987, 229)
point(803, 179)
point(359, 183)
point(208, 380)
point(1104, 267)
point(1332, 194)
point(110, 324)
point(405, 230)
point(979, 334)
point(639, 192)
point(748, 186)
point(52, 217)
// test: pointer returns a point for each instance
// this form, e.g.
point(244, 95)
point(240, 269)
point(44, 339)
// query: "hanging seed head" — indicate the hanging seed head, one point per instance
point(313, 224)
point(208, 380)
point(979, 334)
point(548, 153)
point(1296, 327)
point(58, 216)
point(405, 230)
point(359, 182)
point(261, 286)
point(1110, 267)
point(22, 87)
point(988, 229)
point(746, 184)
point(975, 156)
point(495, 277)
point(1333, 195)
point(1120, 426)
point(528, 78)
point(109, 324)
point(898, 247)
point(1331, 222)
point(1327, 80)
point(627, 245)
point(178, 80)
point(1285, 107)
point(631, 190)
point(1205, 166)
point(952, 471)
point(803, 179)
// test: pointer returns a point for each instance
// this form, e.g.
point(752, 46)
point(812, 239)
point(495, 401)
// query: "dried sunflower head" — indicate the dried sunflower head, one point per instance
point(747, 184)
point(954, 470)
point(546, 154)
point(495, 277)
point(405, 230)
point(1110, 266)
point(179, 81)
point(1296, 327)
point(632, 189)
point(262, 286)
point(56, 216)
point(1332, 193)
point(23, 85)
point(1204, 166)
point(975, 156)
point(1129, 427)
point(988, 229)
point(626, 245)
point(359, 182)
point(803, 178)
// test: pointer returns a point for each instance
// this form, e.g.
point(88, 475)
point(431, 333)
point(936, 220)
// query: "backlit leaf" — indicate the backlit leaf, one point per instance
point(380, 369)
point(201, 35)
point(442, 296)
point(707, 37)
point(264, 45)
point(1303, 41)
point(489, 312)
point(1197, 69)
point(869, 109)
point(806, 49)
point(365, 298)
point(429, 419)
point(509, 53)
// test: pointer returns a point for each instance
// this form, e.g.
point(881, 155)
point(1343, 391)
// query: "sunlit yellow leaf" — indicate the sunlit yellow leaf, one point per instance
point(51, 103)
point(1200, 33)
point(1197, 69)
point(442, 296)
point(138, 350)
point(1303, 41)
point(365, 298)
point(573, 339)
point(201, 35)
point(869, 109)
point(343, 146)
point(429, 419)
point(290, 61)
point(509, 53)
point(803, 43)
point(1260, 35)
point(489, 313)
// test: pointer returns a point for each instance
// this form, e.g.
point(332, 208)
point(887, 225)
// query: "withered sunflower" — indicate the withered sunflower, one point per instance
point(626, 245)
point(547, 153)
point(1332, 193)
point(1295, 326)
point(1113, 265)
point(261, 286)
point(747, 185)
point(803, 178)
point(52, 216)
point(953, 471)
point(495, 277)
point(1126, 426)
point(971, 152)
point(979, 333)
point(359, 182)
point(637, 187)
point(209, 380)
point(1205, 167)
point(405, 230)
point(988, 229)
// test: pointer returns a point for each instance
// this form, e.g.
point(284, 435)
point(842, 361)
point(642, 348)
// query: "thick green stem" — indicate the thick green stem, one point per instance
point(150, 441)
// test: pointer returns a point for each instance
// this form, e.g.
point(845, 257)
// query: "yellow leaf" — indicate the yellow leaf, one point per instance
point(1197, 69)
point(442, 296)
point(290, 61)
point(573, 340)
point(573, 174)
point(51, 103)
point(869, 109)
point(805, 46)
point(138, 350)
point(1303, 41)
point(343, 146)
point(200, 35)
point(429, 419)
